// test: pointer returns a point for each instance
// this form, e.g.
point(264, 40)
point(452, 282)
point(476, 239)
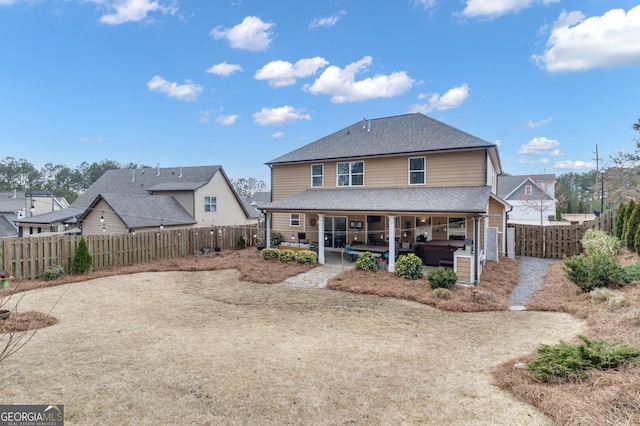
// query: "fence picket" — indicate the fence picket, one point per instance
point(27, 257)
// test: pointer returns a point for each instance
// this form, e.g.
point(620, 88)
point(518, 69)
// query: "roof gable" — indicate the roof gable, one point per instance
point(399, 134)
point(510, 185)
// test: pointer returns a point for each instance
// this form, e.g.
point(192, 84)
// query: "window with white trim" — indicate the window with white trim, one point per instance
point(210, 204)
point(317, 175)
point(528, 190)
point(417, 171)
point(294, 219)
point(350, 174)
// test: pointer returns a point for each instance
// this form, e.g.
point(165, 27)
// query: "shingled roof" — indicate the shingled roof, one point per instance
point(399, 134)
point(463, 199)
point(144, 211)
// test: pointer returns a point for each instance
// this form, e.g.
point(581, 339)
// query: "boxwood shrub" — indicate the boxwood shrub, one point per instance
point(409, 266)
point(286, 255)
point(306, 256)
point(442, 278)
point(53, 272)
point(270, 254)
point(367, 262)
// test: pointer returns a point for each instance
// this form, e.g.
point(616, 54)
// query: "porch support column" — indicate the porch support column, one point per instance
point(476, 249)
point(267, 220)
point(392, 244)
point(321, 238)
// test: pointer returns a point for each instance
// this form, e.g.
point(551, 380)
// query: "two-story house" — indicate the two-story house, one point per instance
point(127, 200)
point(532, 197)
point(17, 205)
point(402, 182)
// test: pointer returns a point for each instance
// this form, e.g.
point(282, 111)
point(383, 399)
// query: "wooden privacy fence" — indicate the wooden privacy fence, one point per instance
point(27, 257)
point(556, 241)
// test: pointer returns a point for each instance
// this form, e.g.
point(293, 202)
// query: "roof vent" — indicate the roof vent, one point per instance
point(133, 175)
point(158, 174)
point(180, 177)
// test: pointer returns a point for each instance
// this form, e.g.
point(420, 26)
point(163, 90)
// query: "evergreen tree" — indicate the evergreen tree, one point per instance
point(82, 259)
point(620, 221)
point(569, 209)
point(627, 214)
point(632, 227)
point(580, 207)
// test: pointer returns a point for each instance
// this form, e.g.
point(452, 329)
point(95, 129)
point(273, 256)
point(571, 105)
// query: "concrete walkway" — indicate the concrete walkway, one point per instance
point(318, 277)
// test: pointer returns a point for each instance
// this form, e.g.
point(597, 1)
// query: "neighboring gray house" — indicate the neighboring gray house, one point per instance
point(532, 197)
point(16, 205)
point(252, 203)
point(125, 200)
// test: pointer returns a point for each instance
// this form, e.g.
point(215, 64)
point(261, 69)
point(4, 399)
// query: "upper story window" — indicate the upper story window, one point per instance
point(528, 190)
point(294, 219)
point(317, 175)
point(351, 174)
point(417, 171)
point(210, 204)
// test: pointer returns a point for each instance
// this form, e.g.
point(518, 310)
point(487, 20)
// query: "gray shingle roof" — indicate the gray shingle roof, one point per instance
point(386, 136)
point(6, 228)
point(9, 204)
point(143, 211)
point(141, 181)
point(257, 198)
point(508, 184)
point(464, 199)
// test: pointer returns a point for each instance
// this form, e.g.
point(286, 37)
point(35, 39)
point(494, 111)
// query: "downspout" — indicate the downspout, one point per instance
point(504, 243)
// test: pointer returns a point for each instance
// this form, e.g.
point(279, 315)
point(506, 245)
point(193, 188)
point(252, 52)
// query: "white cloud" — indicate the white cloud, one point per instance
point(185, 92)
point(340, 83)
point(88, 139)
point(279, 116)
point(495, 8)
point(7, 2)
point(579, 44)
point(278, 135)
point(539, 146)
point(427, 4)
point(227, 120)
point(283, 73)
point(121, 11)
point(251, 34)
point(224, 69)
point(568, 164)
point(526, 162)
point(329, 21)
point(535, 124)
point(452, 99)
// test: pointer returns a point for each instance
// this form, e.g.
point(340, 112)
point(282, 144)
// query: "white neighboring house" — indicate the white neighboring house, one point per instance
point(533, 198)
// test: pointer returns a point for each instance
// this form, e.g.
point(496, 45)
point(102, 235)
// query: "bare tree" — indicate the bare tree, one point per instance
point(538, 194)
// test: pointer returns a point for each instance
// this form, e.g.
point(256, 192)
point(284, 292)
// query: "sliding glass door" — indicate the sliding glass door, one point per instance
point(335, 231)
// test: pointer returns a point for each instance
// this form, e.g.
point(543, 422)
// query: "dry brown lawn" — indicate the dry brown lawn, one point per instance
point(192, 341)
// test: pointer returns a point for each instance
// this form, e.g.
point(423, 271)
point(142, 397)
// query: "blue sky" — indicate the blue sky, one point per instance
point(241, 82)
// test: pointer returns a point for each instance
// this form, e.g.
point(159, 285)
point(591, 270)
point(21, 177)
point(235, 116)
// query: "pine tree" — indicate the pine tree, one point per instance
point(580, 207)
point(569, 209)
point(82, 259)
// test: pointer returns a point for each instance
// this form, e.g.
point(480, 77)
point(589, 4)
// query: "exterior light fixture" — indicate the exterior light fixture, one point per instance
point(102, 217)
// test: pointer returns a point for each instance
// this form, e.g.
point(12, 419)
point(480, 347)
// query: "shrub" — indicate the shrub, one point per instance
point(442, 293)
point(631, 273)
point(600, 295)
point(52, 272)
point(367, 262)
point(270, 254)
point(409, 266)
point(596, 270)
point(627, 215)
point(598, 241)
point(565, 361)
point(636, 241)
point(82, 259)
point(634, 318)
point(306, 256)
point(442, 278)
point(276, 238)
point(286, 255)
point(241, 242)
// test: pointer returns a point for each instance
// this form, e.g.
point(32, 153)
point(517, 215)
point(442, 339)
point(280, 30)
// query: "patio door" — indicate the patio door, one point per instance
point(335, 231)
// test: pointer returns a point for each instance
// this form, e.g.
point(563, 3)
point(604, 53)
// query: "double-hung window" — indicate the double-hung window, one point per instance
point(317, 175)
point(294, 219)
point(351, 174)
point(417, 171)
point(210, 204)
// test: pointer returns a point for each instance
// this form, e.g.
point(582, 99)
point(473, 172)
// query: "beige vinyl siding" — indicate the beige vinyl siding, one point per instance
point(229, 211)
point(185, 198)
point(459, 168)
point(112, 223)
point(463, 269)
point(280, 223)
point(496, 220)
